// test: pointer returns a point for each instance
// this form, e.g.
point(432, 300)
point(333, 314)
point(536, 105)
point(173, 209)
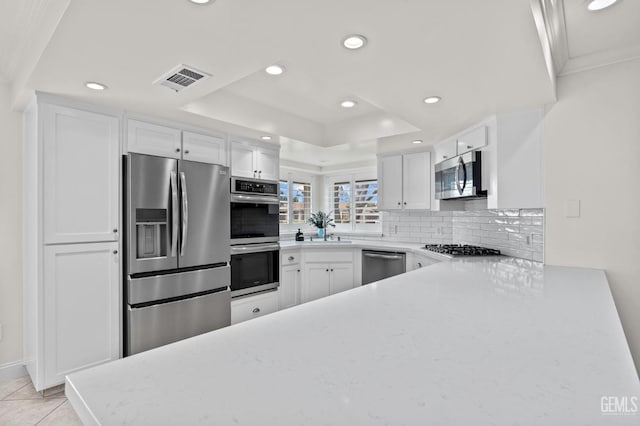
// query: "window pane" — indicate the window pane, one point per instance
point(300, 202)
point(341, 197)
point(366, 201)
point(284, 201)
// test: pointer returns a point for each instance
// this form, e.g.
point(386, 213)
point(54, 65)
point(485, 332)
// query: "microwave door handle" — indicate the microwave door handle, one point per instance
point(457, 176)
point(175, 213)
point(185, 212)
point(464, 170)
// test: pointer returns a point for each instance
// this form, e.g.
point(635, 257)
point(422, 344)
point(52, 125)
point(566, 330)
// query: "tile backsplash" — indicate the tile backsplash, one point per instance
point(515, 232)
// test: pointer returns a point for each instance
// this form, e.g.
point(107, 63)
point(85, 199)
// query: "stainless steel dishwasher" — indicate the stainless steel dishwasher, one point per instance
point(378, 265)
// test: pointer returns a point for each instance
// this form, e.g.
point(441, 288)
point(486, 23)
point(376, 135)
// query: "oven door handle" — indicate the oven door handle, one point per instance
point(254, 248)
point(254, 199)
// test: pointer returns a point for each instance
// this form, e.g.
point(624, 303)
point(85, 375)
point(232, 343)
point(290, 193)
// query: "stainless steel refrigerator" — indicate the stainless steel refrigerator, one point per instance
point(177, 273)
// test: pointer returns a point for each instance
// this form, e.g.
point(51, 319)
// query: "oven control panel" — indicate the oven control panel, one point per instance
point(247, 186)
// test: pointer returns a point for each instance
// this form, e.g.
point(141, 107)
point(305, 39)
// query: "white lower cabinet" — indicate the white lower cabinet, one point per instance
point(421, 261)
point(290, 286)
point(250, 307)
point(317, 281)
point(326, 273)
point(81, 315)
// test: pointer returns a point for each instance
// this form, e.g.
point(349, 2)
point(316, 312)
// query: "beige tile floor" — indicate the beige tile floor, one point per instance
point(20, 404)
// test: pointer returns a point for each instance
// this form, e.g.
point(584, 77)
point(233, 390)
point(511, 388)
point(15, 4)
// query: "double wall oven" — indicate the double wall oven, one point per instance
point(255, 232)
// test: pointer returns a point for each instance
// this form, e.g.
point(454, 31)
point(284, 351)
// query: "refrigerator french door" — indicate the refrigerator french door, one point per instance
point(177, 232)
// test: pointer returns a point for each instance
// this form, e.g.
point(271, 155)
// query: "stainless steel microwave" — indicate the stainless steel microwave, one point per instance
point(459, 177)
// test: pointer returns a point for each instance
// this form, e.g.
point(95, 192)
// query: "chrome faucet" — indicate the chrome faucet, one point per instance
point(325, 228)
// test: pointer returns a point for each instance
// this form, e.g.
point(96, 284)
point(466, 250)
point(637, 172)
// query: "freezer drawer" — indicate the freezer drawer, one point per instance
point(378, 265)
point(157, 325)
point(159, 287)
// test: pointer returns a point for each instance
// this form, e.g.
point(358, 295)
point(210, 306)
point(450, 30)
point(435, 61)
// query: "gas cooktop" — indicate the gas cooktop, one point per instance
point(461, 250)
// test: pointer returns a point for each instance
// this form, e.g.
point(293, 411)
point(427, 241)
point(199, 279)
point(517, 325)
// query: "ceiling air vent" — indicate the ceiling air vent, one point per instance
point(181, 77)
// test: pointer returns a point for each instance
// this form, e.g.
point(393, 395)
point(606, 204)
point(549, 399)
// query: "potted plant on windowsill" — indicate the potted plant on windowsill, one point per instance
point(321, 220)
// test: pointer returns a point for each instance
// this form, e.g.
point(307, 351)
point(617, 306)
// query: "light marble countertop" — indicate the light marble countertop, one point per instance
point(472, 341)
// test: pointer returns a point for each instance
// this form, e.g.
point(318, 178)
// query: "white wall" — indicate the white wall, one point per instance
point(592, 154)
point(10, 230)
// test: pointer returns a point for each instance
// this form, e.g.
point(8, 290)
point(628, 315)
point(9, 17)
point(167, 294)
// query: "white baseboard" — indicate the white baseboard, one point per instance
point(12, 370)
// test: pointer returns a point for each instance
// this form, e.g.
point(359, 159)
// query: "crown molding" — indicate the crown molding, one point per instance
point(600, 59)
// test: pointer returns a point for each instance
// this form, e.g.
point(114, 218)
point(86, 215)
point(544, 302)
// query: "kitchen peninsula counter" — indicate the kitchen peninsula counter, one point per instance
point(470, 341)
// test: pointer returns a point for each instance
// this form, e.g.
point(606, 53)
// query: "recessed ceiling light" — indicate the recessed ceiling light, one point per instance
point(600, 4)
point(417, 141)
point(348, 104)
point(265, 138)
point(201, 1)
point(95, 86)
point(354, 41)
point(274, 69)
point(432, 99)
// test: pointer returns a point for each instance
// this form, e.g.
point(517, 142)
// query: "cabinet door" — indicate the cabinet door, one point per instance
point(390, 169)
point(416, 178)
point(289, 286)
point(147, 138)
point(341, 277)
point(81, 176)
point(204, 148)
point(316, 282)
point(242, 161)
point(267, 164)
point(422, 261)
point(444, 150)
point(253, 307)
point(476, 138)
point(81, 308)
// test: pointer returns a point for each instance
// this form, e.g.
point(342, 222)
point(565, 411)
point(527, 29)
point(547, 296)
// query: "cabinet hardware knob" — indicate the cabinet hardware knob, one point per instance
point(332, 270)
point(291, 258)
point(298, 270)
point(398, 202)
point(186, 151)
point(256, 310)
point(419, 265)
point(255, 171)
point(115, 230)
point(405, 203)
point(115, 252)
point(444, 156)
point(177, 149)
point(327, 270)
point(469, 146)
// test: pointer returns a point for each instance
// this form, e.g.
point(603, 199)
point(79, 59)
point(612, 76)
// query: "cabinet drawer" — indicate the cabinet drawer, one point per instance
point(290, 258)
point(253, 306)
point(326, 256)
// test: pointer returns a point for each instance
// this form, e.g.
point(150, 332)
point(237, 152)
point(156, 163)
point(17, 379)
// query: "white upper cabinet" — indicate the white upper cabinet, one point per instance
point(416, 179)
point(405, 181)
point(512, 163)
point(147, 138)
point(170, 142)
point(268, 164)
point(253, 160)
point(204, 148)
point(472, 140)
point(390, 182)
point(445, 150)
point(81, 175)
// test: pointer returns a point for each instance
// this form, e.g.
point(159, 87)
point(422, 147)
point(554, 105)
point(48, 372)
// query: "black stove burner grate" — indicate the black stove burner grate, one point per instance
point(462, 250)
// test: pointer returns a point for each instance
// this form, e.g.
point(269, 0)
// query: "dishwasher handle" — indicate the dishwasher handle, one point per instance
point(384, 256)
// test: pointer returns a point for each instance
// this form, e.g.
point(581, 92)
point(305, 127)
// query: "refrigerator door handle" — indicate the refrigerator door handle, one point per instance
point(185, 212)
point(175, 213)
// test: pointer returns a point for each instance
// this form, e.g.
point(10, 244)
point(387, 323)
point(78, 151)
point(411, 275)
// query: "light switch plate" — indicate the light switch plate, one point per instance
point(572, 208)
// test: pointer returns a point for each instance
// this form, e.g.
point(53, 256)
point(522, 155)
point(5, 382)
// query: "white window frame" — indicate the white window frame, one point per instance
point(292, 177)
point(353, 227)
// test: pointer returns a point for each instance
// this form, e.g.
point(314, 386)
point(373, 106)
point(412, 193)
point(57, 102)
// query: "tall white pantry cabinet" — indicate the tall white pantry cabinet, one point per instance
point(71, 247)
